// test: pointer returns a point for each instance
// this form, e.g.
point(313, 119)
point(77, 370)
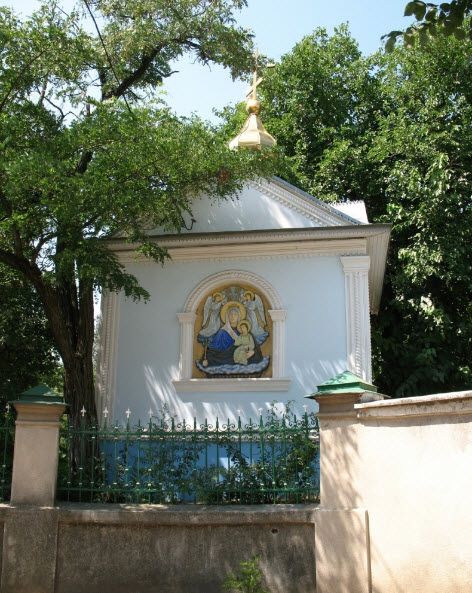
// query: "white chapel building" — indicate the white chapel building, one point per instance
point(267, 296)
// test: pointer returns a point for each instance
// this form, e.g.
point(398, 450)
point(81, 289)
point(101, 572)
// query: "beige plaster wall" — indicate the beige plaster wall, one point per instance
point(415, 461)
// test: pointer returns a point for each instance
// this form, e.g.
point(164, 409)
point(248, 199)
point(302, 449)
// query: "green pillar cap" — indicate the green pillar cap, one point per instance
point(346, 382)
point(41, 394)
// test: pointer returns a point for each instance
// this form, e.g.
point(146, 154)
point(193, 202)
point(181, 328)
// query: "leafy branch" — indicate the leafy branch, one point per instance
point(448, 18)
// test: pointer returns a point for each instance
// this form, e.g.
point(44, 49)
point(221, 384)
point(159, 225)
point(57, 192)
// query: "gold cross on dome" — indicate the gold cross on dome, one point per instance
point(256, 81)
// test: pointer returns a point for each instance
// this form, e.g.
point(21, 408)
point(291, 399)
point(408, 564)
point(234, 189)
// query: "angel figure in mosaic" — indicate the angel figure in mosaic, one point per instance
point(255, 315)
point(211, 315)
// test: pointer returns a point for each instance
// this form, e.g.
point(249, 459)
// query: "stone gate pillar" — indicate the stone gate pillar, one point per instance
point(341, 524)
point(36, 451)
point(31, 526)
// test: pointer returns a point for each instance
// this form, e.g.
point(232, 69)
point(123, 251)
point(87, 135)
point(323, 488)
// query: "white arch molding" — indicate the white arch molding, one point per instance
point(278, 382)
point(211, 282)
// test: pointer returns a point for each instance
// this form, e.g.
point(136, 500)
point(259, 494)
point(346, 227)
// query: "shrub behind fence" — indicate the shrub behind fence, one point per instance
point(274, 460)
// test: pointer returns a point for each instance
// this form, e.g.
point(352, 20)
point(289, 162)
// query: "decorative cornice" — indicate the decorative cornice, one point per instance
point(268, 244)
point(215, 280)
point(260, 236)
point(304, 204)
point(371, 239)
point(377, 246)
point(320, 204)
point(239, 384)
point(258, 250)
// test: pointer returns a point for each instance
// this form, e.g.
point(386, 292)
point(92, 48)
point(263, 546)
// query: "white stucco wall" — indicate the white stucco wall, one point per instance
point(267, 205)
point(251, 210)
point(311, 290)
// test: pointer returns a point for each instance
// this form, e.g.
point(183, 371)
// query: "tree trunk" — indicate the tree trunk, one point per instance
point(79, 391)
point(69, 309)
point(79, 395)
point(68, 305)
point(79, 388)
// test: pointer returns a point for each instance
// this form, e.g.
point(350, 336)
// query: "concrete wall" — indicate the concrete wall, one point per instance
point(395, 516)
point(395, 513)
point(138, 549)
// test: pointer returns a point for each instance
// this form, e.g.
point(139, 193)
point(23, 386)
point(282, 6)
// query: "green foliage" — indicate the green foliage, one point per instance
point(170, 462)
point(89, 151)
point(286, 472)
point(27, 355)
point(447, 18)
point(249, 579)
point(288, 475)
point(117, 468)
point(422, 152)
point(316, 95)
point(395, 131)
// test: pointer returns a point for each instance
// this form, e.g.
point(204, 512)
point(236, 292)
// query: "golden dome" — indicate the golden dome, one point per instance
point(253, 134)
point(253, 106)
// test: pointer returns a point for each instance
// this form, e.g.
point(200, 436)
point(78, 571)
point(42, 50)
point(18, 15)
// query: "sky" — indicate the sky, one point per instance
point(278, 25)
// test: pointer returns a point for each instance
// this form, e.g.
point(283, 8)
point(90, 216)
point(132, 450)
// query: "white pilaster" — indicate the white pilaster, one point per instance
point(187, 323)
point(107, 352)
point(356, 273)
point(278, 317)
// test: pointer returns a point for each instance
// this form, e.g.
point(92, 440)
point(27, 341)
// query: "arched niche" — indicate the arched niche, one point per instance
point(276, 316)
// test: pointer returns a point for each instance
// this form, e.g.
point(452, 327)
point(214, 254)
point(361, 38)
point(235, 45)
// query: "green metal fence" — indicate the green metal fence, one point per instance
point(7, 437)
point(273, 460)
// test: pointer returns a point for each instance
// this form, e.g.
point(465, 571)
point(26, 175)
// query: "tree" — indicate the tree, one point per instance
point(433, 19)
point(27, 355)
point(395, 130)
point(422, 155)
point(88, 150)
point(321, 92)
point(320, 95)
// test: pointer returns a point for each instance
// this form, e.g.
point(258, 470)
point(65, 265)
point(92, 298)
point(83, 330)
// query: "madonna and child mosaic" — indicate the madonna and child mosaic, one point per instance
point(233, 334)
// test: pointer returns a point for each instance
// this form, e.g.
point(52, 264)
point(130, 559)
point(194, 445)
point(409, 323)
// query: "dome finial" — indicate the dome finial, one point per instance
point(252, 103)
point(253, 133)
